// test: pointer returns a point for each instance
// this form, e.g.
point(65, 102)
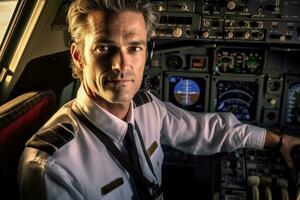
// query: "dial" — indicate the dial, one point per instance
point(292, 115)
point(237, 97)
point(174, 62)
point(186, 92)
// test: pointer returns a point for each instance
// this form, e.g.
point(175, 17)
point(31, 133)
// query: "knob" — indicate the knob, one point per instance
point(231, 5)
point(177, 32)
point(160, 8)
point(230, 34)
point(206, 23)
point(184, 7)
point(205, 34)
point(260, 10)
point(247, 35)
point(273, 101)
point(247, 25)
point(258, 35)
point(245, 9)
point(260, 25)
point(282, 38)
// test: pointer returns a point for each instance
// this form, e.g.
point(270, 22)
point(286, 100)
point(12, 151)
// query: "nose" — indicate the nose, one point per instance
point(120, 61)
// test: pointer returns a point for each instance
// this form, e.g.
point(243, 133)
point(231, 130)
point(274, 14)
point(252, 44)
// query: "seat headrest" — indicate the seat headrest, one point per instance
point(23, 103)
point(20, 118)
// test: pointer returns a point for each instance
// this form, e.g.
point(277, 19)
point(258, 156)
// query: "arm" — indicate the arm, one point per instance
point(40, 179)
point(272, 139)
point(207, 133)
point(285, 146)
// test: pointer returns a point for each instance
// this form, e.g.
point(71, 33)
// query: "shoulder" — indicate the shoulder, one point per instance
point(146, 98)
point(52, 138)
point(142, 98)
point(148, 105)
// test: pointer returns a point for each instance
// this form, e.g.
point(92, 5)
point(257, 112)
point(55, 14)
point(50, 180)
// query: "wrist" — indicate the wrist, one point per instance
point(279, 144)
point(274, 140)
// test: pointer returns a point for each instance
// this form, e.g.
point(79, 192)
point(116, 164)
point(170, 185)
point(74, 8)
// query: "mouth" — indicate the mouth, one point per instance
point(119, 82)
point(116, 80)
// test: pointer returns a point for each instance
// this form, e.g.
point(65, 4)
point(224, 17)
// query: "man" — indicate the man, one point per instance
point(69, 159)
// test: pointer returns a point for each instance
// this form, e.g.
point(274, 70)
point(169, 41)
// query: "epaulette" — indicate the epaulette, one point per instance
point(141, 98)
point(51, 139)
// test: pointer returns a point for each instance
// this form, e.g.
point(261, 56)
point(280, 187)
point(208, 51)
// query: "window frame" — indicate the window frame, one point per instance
point(13, 34)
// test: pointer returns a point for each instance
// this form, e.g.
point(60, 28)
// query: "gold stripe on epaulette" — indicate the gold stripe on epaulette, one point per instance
point(112, 185)
point(152, 148)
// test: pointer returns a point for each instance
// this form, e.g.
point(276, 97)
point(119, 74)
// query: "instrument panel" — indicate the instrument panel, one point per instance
point(187, 90)
point(239, 97)
point(238, 56)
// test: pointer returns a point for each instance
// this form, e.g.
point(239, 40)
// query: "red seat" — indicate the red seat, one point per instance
point(20, 118)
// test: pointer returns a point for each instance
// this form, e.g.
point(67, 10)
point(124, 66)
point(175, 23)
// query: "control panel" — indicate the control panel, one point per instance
point(238, 56)
point(243, 174)
point(271, 21)
point(256, 174)
point(257, 83)
point(239, 61)
point(241, 96)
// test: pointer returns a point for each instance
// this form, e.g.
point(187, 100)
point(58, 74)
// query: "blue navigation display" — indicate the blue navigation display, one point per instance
point(238, 97)
point(187, 92)
point(292, 113)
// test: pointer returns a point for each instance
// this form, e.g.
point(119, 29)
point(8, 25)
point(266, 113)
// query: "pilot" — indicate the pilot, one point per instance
point(106, 143)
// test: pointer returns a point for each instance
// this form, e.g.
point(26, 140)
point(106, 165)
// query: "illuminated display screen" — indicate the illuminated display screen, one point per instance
point(240, 61)
point(237, 97)
point(292, 113)
point(187, 92)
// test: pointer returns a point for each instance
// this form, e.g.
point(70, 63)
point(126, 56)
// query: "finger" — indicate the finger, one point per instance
point(289, 161)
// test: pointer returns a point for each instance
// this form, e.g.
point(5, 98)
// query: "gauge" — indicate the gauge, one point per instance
point(225, 63)
point(253, 62)
point(237, 97)
point(229, 62)
point(174, 62)
point(187, 92)
point(240, 61)
point(292, 115)
point(238, 107)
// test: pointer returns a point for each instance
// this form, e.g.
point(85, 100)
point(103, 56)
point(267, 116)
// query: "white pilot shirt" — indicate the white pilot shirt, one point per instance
point(65, 160)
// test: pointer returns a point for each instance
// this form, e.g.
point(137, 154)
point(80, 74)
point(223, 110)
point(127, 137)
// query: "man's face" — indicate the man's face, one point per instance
point(114, 55)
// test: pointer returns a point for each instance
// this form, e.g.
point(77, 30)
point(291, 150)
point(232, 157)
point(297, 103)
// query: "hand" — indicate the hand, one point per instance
point(287, 146)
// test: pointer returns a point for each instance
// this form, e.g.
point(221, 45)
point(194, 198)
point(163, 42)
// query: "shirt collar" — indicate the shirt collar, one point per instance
point(107, 122)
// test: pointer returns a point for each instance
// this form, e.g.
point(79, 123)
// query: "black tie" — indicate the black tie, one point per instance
point(141, 189)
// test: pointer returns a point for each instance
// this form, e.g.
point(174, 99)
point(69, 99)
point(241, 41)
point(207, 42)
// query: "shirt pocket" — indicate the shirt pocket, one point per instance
point(118, 189)
point(156, 156)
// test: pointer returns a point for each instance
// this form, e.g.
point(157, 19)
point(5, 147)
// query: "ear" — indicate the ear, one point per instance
point(76, 55)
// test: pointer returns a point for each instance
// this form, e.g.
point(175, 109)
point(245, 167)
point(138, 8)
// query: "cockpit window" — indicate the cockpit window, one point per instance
point(7, 8)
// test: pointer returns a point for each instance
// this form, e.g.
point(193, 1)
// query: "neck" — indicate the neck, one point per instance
point(119, 110)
